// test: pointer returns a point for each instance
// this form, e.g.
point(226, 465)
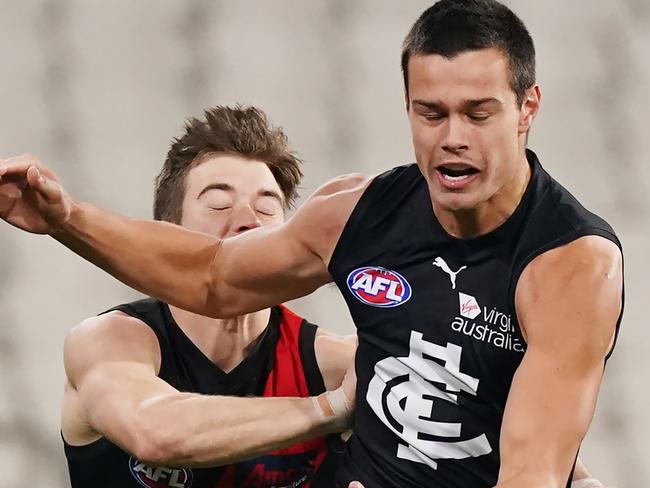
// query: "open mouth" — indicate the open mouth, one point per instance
point(456, 173)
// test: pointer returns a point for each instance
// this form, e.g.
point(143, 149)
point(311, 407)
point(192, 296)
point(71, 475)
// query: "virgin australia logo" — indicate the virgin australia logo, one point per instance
point(469, 307)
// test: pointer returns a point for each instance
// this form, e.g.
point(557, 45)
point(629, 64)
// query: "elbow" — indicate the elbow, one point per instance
point(158, 445)
point(218, 302)
point(164, 448)
point(221, 300)
point(170, 442)
point(158, 439)
point(224, 293)
point(215, 302)
point(217, 305)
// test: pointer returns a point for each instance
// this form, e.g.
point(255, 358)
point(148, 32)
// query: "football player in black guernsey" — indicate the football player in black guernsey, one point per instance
point(486, 297)
point(151, 398)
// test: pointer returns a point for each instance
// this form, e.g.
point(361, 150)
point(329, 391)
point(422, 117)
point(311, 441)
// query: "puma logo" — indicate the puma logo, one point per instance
point(440, 263)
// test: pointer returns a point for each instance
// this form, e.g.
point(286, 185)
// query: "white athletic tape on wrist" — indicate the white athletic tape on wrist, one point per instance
point(332, 404)
point(319, 410)
point(587, 483)
point(339, 402)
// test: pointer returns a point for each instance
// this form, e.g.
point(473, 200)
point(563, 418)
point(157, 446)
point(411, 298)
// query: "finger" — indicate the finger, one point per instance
point(17, 165)
point(355, 484)
point(48, 189)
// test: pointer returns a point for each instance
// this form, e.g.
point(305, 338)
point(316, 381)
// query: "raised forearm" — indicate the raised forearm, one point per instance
point(189, 430)
point(156, 258)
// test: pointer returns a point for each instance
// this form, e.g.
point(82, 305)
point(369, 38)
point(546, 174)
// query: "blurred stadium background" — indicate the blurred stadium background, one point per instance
point(98, 89)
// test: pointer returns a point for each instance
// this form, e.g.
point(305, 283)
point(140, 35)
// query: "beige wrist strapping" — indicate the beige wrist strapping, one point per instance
point(332, 404)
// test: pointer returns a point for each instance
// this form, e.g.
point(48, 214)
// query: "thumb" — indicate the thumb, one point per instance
point(46, 188)
point(355, 484)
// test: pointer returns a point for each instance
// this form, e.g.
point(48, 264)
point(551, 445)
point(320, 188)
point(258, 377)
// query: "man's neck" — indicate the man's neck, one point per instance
point(224, 341)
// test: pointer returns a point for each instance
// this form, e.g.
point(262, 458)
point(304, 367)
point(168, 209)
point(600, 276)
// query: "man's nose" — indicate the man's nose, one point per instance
point(455, 140)
point(245, 218)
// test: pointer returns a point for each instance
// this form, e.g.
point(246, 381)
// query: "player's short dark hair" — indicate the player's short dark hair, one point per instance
point(241, 131)
point(452, 27)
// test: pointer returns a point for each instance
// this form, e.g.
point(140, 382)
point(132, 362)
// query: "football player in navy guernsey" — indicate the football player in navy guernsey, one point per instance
point(486, 297)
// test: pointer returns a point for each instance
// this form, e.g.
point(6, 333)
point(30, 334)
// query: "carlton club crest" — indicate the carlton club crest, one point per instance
point(403, 393)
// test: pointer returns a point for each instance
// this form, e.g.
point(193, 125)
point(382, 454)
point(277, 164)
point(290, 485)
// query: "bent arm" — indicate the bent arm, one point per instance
point(568, 301)
point(111, 365)
point(194, 271)
point(211, 276)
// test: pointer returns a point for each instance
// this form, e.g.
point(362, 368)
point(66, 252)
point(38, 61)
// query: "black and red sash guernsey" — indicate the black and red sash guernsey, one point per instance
point(294, 465)
point(282, 363)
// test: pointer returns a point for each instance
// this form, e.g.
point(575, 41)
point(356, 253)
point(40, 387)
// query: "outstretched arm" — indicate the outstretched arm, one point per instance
point(194, 271)
point(111, 362)
point(568, 302)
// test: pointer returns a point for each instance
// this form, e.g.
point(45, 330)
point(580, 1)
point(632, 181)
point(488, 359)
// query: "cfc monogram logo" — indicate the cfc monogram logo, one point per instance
point(403, 394)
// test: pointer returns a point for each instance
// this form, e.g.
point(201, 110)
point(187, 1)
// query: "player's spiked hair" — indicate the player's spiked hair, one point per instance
point(241, 131)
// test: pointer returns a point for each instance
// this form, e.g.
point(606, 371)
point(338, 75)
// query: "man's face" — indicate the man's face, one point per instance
point(226, 195)
point(468, 131)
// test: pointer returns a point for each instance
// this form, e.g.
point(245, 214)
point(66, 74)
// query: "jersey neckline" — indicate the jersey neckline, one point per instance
point(250, 362)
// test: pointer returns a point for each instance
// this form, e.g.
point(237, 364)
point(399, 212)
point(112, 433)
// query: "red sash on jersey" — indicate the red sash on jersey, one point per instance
point(291, 467)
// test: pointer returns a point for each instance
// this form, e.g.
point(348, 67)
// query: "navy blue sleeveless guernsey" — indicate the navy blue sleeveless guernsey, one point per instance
point(439, 340)
point(281, 363)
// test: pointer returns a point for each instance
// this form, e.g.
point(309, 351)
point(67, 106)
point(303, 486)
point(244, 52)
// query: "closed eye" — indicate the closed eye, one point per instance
point(478, 116)
point(268, 205)
point(433, 116)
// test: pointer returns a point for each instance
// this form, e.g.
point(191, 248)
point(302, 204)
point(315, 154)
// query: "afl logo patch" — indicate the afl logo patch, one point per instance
point(159, 476)
point(379, 287)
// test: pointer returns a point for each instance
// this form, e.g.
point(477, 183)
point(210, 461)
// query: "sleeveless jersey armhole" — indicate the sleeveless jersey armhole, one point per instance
point(313, 375)
point(316, 385)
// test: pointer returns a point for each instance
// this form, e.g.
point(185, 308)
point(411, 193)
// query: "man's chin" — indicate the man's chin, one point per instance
point(455, 203)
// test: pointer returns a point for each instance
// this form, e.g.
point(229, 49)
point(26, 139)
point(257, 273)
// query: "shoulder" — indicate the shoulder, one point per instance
point(321, 218)
point(334, 355)
point(344, 183)
point(336, 197)
point(114, 336)
point(589, 257)
point(114, 326)
point(555, 216)
point(577, 285)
